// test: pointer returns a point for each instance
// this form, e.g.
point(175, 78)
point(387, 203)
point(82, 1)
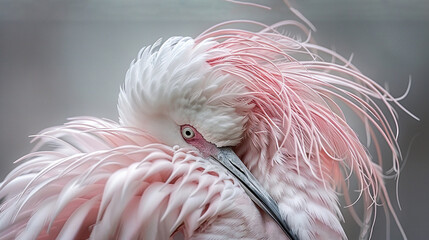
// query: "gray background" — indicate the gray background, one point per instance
point(60, 59)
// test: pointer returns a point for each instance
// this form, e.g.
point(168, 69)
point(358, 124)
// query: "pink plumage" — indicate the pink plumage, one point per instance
point(131, 186)
point(270, 97)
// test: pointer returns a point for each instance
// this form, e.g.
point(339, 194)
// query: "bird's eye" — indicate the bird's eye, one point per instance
point(188, 133)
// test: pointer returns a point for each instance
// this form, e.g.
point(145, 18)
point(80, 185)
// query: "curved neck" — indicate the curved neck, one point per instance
point(307, 202)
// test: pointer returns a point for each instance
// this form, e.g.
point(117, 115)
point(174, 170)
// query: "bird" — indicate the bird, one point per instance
point(233, 134)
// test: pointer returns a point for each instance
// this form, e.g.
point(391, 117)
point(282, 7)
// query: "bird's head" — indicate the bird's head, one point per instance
point(172, 92)
point(245, 91)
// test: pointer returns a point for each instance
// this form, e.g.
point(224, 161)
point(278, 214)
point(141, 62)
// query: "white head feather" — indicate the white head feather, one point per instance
point(174, 85)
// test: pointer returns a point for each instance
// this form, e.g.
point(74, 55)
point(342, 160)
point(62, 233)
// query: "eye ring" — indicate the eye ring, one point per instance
point(188, 132)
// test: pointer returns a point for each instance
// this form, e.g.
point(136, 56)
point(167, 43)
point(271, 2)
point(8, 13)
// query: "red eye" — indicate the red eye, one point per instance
point(194, 138)
point(188, 132)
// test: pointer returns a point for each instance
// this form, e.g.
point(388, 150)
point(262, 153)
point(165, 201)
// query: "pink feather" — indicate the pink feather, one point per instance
point(123, 185)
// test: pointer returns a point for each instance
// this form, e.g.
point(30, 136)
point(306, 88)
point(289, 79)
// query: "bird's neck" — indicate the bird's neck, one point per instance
point(307, 200)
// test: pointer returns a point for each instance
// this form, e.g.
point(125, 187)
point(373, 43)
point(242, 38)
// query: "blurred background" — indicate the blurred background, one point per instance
point(65, 58)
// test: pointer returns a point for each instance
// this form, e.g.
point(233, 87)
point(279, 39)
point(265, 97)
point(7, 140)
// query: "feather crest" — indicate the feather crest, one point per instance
point(298, 98)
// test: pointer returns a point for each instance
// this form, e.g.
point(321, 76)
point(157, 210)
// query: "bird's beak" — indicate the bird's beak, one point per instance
point(227, 158)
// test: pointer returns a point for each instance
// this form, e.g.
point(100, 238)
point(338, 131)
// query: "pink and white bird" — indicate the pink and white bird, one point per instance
point(233, 134)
